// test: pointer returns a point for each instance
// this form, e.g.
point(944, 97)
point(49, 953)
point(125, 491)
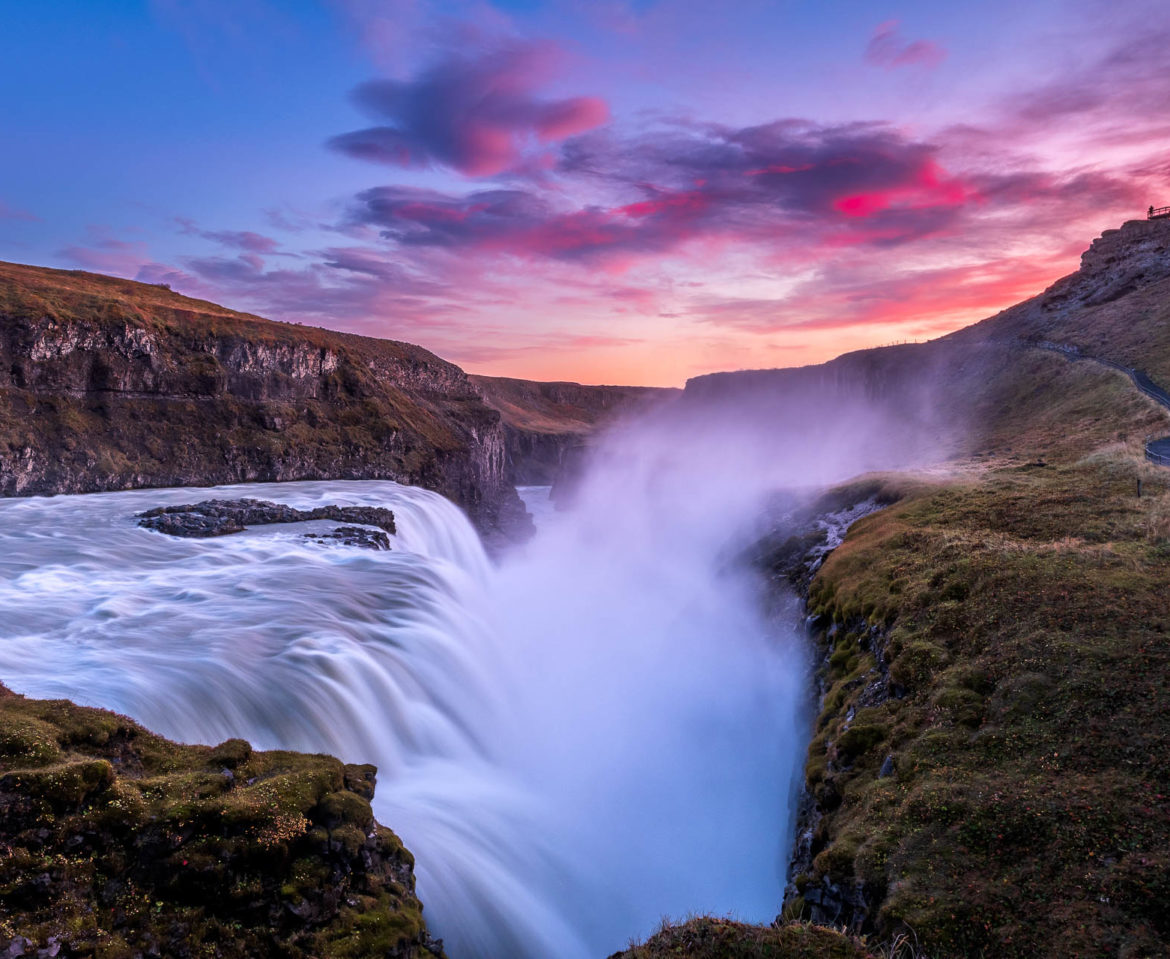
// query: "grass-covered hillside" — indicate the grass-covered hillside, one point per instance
point(999, 644)
point(117, 843)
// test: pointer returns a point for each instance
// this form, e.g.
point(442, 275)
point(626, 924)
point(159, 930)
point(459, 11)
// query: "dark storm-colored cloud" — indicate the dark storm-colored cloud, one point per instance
point(477, 115)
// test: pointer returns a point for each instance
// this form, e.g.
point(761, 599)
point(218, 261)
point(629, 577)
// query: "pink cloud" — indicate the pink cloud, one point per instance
point(479, 115)
point(929, 187)
point(887, 49)
point(12, 213)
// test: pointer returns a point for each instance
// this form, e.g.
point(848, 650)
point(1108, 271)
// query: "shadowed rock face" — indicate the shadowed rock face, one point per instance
point(108, 384)
point(547, 424)
point(221, 517)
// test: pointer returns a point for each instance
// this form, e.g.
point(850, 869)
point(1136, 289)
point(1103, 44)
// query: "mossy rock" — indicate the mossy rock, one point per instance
point(62, 786)
point(710, 938)
point(120, 843)
point(231, 754)
point(858, 739)
point(1028, 661)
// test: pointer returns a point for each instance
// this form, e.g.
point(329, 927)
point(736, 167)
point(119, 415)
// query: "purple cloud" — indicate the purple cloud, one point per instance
point(772, 184)
point(12, 213)
point(478, 116)
point(1125, 91)
point(245, 240)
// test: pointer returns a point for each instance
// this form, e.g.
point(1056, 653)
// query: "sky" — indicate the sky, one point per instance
point(606, 191)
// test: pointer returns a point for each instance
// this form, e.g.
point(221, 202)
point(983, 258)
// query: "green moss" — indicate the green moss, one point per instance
point(858, 739)
point(1028, 636)
point(344, 808)
point(125, 843)
point(25, 741)
point(230, 754)
point(62, 785)
point(916, 663)
point(836, 860)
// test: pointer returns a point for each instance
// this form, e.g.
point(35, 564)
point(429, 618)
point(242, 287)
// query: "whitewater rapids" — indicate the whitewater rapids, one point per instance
point(597, 732)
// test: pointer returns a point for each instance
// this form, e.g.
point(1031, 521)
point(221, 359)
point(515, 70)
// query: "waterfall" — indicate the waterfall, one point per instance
point(598, 731)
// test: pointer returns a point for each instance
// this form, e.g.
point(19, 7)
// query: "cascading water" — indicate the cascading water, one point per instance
point(599, 731)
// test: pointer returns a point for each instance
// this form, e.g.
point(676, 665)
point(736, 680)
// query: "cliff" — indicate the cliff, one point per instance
point(545, 424)
point(1117, 305)
point(992, 389)
point(110, 384)
point(985, 773)
point(119, 843)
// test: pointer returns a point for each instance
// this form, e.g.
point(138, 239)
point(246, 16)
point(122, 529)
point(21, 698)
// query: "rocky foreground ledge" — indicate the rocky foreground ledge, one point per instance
point(118, 843)
point(707, 937)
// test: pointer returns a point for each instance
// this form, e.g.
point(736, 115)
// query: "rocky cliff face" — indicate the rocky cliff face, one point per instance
point(109, 384)
point(1116, 306)
point(1117, 263)
point(546, 425)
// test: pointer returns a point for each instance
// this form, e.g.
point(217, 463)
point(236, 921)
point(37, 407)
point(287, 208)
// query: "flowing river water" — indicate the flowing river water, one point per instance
point(597, 731)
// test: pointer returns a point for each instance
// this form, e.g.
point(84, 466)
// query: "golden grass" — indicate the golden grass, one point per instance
point(1025, 616)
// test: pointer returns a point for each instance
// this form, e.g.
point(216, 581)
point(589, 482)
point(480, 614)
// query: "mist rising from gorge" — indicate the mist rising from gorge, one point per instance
point(604, 728)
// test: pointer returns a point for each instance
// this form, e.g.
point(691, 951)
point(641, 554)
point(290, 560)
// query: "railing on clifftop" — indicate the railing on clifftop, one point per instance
point(1158, 213)
point(1158, 451)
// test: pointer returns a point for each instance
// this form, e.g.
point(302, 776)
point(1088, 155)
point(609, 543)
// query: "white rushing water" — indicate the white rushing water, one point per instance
point(597, 732)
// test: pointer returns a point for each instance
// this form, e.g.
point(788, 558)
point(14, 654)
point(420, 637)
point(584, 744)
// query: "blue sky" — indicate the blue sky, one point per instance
point(588, 190)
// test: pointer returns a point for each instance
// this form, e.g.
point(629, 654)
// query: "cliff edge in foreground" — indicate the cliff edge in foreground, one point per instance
point(118, 843)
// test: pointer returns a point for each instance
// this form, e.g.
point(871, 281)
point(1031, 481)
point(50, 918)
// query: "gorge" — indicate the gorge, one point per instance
point(607, 724)
point(573, 743)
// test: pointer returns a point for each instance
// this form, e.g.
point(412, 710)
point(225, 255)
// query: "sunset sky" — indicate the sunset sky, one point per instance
point(622, 191)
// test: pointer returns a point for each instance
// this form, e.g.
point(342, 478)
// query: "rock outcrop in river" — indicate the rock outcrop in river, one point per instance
point(110, 384)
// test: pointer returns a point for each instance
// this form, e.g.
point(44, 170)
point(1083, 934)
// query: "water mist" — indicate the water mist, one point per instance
point(600, 730)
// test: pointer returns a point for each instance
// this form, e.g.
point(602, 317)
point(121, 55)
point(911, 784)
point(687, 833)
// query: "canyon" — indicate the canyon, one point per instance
point(989, 645)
